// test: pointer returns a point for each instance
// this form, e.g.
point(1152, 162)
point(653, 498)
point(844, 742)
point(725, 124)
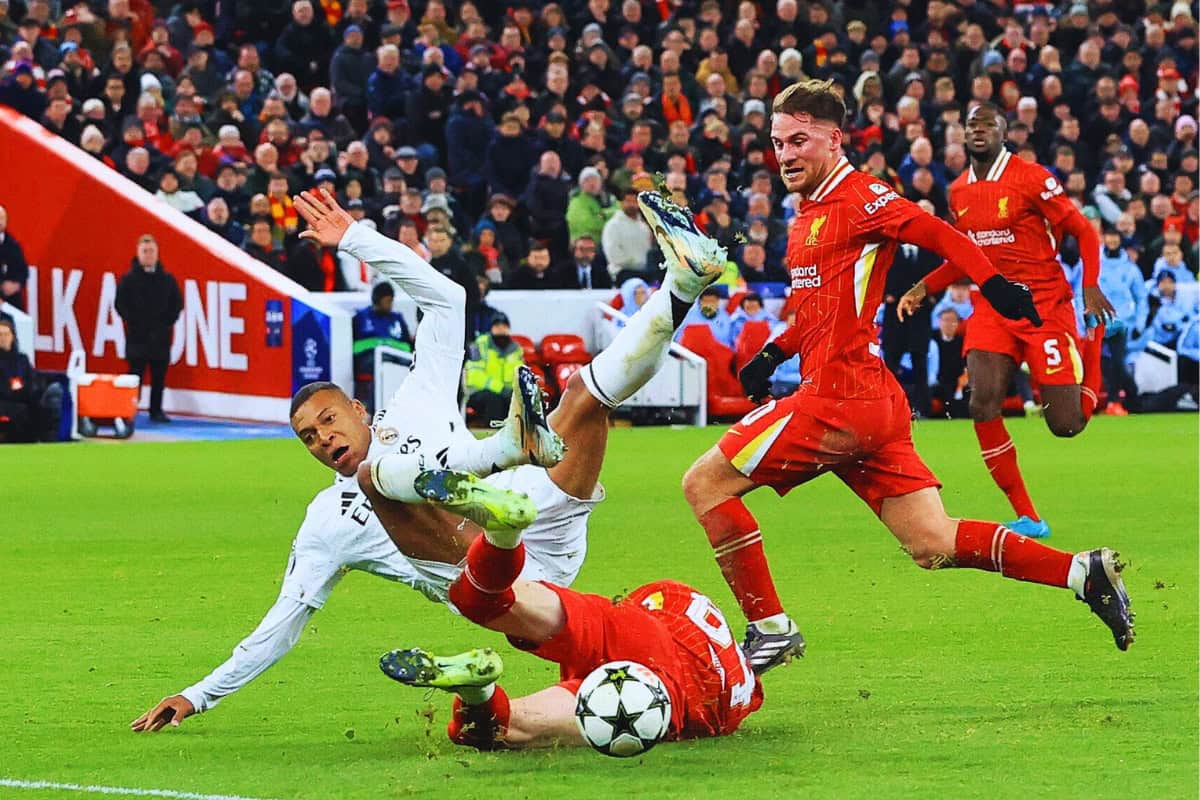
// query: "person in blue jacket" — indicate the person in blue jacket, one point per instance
point(1123, 284)
point(373, 326)
point(708, 311)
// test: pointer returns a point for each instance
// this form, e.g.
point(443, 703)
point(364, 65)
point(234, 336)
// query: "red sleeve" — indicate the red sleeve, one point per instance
point(940, 278)
point(1048, 197)
point(931, 233)
point(787, 341)
point(1089, 246)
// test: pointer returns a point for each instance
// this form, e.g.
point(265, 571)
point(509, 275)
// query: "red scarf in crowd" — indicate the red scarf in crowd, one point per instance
point(677, 109)
point(284, 214)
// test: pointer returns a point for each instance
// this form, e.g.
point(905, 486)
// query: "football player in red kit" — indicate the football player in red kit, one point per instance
point(1016, 212)
point(670, 628)
point(850, 416)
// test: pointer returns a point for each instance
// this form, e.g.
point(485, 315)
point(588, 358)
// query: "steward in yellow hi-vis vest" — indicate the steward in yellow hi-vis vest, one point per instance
point(492, 362)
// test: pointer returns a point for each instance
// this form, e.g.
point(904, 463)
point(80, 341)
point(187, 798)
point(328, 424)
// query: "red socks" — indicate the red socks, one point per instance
point(1090, 390)
point(481, 726)
point(1000, 455)
point(737, 543)
point(484, 589)
point(994, 548)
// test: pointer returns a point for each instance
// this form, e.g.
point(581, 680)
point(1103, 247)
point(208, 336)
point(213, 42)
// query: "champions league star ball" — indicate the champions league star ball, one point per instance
point(622, 709)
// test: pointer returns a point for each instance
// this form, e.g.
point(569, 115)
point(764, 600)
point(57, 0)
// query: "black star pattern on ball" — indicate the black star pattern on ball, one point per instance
point(622, 721)
point(616, 676)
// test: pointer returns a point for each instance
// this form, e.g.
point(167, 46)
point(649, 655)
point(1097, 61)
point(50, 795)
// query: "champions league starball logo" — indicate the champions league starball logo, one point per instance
point(310, 370)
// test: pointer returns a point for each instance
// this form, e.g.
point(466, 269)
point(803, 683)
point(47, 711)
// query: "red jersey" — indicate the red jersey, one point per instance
point(840, 246)
point(1012, 213)
point(718, 687)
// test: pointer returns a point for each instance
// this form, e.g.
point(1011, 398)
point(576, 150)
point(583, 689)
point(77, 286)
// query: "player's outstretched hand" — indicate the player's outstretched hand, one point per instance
point(171, 710)
point(756, 375)
point(1011, 300)
point(911, 301)
point(327, 221)
point(1096, 309)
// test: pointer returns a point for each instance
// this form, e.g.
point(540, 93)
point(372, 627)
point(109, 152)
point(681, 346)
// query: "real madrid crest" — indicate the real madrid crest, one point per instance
point(387, 436)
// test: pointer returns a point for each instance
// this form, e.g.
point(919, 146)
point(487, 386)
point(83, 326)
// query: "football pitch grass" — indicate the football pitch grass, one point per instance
point(130, 571)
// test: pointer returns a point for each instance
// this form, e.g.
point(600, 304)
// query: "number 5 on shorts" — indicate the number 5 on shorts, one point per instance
point(1053, 354)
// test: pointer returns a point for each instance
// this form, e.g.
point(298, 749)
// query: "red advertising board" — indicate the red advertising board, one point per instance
point(79, 221)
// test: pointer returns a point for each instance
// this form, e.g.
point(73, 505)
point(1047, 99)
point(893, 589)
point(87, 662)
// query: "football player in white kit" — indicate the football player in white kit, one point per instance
point(383, 517)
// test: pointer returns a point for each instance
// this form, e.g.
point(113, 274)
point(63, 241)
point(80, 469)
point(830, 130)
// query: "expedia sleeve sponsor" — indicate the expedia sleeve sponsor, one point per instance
point(880, 202)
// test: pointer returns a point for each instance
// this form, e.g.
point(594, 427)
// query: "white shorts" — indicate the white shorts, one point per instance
point(555, 544)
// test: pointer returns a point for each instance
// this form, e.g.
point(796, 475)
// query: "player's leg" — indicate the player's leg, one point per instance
point(1054, 360)
point(935, 540)
point(713, 486)
point(990, 374)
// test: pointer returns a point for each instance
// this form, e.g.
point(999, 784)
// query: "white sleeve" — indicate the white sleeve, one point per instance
point(278, 633)
point(312, 573)
point(443, 303)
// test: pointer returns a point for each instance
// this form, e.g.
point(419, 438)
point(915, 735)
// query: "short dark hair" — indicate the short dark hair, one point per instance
point(709, 292)
point(308, 390)
point(381, 291)
point(537, 244)
point(813, 97)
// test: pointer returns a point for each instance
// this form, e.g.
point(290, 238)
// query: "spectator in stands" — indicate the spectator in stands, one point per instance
point(13, 269)
point(387, 86)
point(19, 90)
point(179, 199)
point(349, 71)
point(751, 309)
point(627, 240)
point(261, 243)
point(546, 199)
point(587, 268)
point(448, 262)
point(958, 297)
point(946, 365)
point(377, 324)
point(537, 272)
point(1123, 284)
point(590, 206)
point(710, 311)
point(468, 135)
point(1171, 261)
point(427, 109)
point(510, 158)
point(148, 301)
point(752, 261)
point(216, 217)
point(492, 362)
point(305, 46)
point(30, 409)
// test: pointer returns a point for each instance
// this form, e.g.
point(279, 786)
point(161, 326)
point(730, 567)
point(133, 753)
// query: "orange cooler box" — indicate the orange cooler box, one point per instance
point(109, 400)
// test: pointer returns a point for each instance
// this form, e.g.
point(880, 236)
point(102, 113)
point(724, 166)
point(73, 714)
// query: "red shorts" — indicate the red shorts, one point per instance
point(1052, 351)
point(598, 631)
point(867, 443)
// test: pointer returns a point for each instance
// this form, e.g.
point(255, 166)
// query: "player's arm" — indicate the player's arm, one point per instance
point(277, 634)
point(441, 300)
point(1052, 202)
point(914, 226)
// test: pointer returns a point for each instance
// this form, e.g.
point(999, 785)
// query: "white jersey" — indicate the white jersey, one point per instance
point(341, 532)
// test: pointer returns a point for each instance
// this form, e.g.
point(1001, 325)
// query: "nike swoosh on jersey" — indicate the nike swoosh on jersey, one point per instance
point(962, 211)
point(1053, 370)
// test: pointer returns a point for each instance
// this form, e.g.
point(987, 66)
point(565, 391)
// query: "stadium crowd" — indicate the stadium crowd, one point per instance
point(506, 142)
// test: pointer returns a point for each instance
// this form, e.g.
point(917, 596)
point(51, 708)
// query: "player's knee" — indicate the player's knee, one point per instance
point(933, 546)
point(696, 486)
point(984, 409)
point(1066, 426)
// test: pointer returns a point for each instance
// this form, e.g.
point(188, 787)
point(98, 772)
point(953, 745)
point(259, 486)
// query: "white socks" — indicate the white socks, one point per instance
point(493, 453)
point(393, 475)
point(475, 695)
point(636, 353)
point(1077, 575)
point(776, 623)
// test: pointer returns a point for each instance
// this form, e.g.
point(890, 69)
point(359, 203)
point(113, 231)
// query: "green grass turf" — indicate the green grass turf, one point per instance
point(128, 571)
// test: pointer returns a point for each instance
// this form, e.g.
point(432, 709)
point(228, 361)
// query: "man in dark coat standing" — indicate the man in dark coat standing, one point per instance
point(13, 269)
point(149, 301)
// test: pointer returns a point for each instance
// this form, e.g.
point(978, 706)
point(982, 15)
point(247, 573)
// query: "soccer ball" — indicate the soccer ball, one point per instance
point(622, 709)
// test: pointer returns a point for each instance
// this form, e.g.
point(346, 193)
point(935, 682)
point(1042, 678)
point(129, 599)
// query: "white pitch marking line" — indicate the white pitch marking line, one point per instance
point(120, 790)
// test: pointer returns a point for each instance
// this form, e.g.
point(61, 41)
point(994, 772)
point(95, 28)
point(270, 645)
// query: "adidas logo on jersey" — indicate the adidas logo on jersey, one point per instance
point(805, 277)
